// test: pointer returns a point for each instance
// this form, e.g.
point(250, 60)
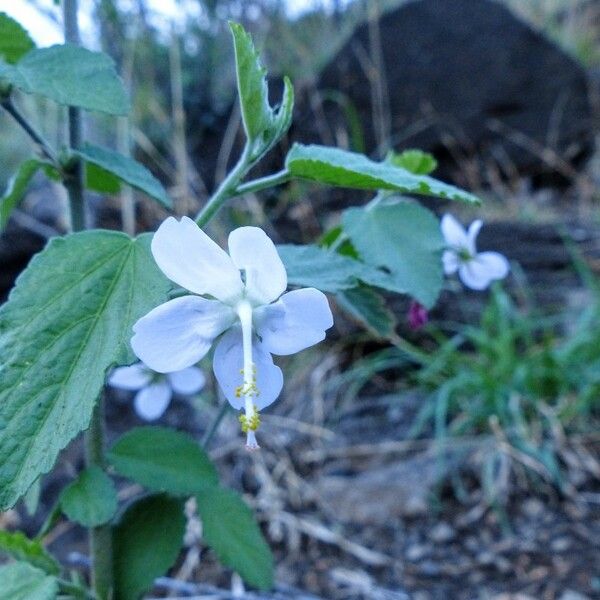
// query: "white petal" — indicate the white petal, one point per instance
point(296, 321)
point(479, 272)
point(178, 333)
point(451, 261)
point(228, 363)
point(251, 249)
point(151, 402)
point(187, 256)
point(188, 381)
point(454, 233)
point(472, 235)
point(133, 377)
point(496, 264)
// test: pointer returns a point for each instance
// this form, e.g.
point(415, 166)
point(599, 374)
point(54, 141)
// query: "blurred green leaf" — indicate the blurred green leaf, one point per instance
point(14, 39)
point(146, 543)
point(348, 169)
point(229, 528)
point(17, 186)
point(91, 499)
point(369, 308)
point(414, 161)
point(20, 547)
point(66, 322)
point(72, 76)
point(21, 581)
point(311, 266)
point(124, 168)
point(162, 459)
point(404, 239)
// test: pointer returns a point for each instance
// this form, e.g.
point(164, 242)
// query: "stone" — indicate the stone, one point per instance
point(464, 78)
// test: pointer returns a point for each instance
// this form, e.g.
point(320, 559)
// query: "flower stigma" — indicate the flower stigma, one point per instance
point(250, 421)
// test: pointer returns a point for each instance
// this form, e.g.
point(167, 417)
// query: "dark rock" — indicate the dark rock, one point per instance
point(465, 78)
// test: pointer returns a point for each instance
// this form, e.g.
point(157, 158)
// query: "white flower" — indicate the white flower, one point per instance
point(239, 295)
point(154, 391)
point(476, 269)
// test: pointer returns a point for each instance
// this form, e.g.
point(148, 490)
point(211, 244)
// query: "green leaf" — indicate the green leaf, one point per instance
point(162, 459)
point(67, 321)
point(16, 189)
point(146, 544)
point(100, 180)
point(404, 239)
point(263, 125)
point(71, 76)
point(20, 581)
point(91, 499)
point(20, 547)
point(414, 161)
point(14, 39)
point(126, 169)
point(348, 169)
point(369, 309)
point(229, 528)
point(311, 266)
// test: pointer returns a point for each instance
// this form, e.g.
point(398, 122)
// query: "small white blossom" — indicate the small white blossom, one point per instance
point(238, 296)
point(476, 269)
point(154, 391)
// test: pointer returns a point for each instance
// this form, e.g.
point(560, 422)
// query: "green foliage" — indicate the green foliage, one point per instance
point(91, 499)
point(263, 125)
point(20, 581)
point(16, 189)
point(369, 309)
point(311, 266)
point(341, 168)
point(414, 161)
point(229, 528)
point(14, 39)
point(67, 321)
point(20, 547)
point(146, 543)
point(123, 168)
point(71, 76)
point(163, 460)
point(404, 239)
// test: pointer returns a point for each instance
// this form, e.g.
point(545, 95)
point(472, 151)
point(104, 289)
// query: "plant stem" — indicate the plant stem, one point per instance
point(100, 537)
point(36, 136)
point(208, 436)
point(227, 189)
point(263, 183)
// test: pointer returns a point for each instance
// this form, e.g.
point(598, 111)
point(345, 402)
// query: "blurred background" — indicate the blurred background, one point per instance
point(460, 460)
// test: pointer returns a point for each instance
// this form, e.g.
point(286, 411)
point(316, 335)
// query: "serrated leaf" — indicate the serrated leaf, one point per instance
point(67, 321)
point(146, 543)
point(414, 161)
point(20, 547)
point(162, 459)
point(14, 39)
point(404, 239)
point(369, 308)
point(126, 169)
point(229, 528)
point(20, 581)
point(90, 500)
point(263, 125)
point(17, 186)
point(349, 169)
point(72, 76)
point(311, 266)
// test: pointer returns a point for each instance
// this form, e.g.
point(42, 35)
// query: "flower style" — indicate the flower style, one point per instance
point(154, 391)
point(476, 269)
point(238, 295)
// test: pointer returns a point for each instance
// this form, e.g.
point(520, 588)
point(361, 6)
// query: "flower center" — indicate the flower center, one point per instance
point(464, 255)
point(250, 421)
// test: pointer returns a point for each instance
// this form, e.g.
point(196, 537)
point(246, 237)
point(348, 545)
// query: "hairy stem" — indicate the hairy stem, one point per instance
point(36, 136)
point(100, 537)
